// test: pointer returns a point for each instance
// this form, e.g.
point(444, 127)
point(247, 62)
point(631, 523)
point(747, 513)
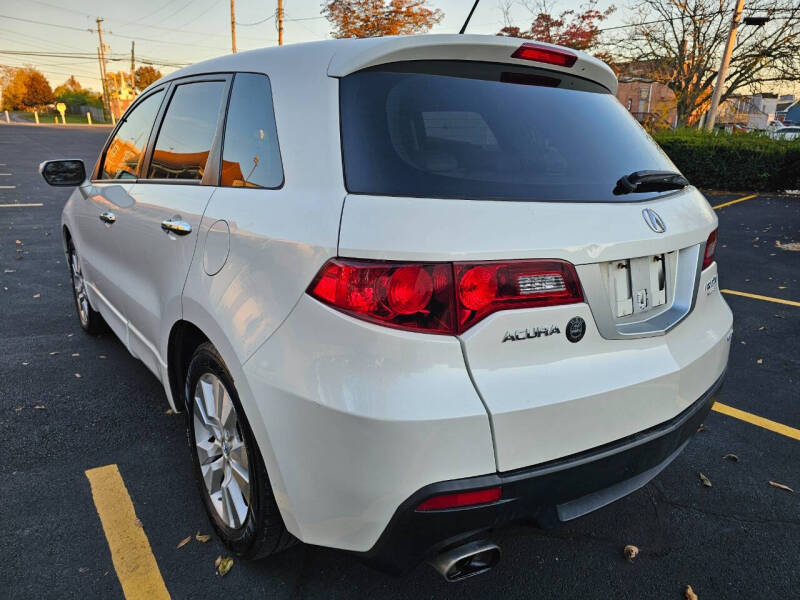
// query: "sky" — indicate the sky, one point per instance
point(176, 32)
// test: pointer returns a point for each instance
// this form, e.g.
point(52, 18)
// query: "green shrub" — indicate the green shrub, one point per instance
point(739, 161)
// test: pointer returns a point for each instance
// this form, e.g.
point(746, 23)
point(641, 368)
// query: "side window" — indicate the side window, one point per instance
point(187, 131)
point(251, 156)
point(124, 155)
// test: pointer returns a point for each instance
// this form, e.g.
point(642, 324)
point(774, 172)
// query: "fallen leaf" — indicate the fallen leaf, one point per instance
point(706, 481)
point(791, 246)
point(18, 243)
point(630, 552)
point(202, 537)
point(689, 593)
point(702, 428)
point(37, 295)
point(217, 562)
point(760, 361)
point(224, 565)
point(169, 412)
point(731, 457)
point(78, 375)
point(780, 486)
point(139, 523)
point(39, 407)
point(184, 541)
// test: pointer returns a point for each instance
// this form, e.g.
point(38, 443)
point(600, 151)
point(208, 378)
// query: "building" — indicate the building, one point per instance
point(784, 102)
point(793, 113)
point(650, 102)
point(739, 112)
point(766, 103)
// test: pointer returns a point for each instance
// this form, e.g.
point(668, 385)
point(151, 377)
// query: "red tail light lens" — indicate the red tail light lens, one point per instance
point(460, 499)
point(711, 249)
point(415, 296)
point(485, 288)
point(443, 298)
point(545, 54)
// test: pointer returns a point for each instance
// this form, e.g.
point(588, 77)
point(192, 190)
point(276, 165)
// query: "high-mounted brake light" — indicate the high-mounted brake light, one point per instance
point(545, 54)
point(461, 499)
point(711, 249)
point(444, 298)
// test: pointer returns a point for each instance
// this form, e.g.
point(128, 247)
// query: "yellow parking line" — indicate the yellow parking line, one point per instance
point(724, 204)
point(133, 559)
point(756, 420)
point(758, 297)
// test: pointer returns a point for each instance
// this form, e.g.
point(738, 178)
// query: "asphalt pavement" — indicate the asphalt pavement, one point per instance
point(70, 402)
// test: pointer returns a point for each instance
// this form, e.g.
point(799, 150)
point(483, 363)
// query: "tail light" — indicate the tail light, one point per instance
point(444, 298)
point(461, 499)
point(711, 249)
point(545, 54)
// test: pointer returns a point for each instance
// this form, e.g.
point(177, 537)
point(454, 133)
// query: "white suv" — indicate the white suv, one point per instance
point(407, 289)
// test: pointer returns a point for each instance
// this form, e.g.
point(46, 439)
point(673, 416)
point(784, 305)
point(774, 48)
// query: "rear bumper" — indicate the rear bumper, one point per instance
point(543, 495)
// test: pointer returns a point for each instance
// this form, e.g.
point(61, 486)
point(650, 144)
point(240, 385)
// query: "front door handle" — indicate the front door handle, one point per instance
point(177, 227)
point(108, 217)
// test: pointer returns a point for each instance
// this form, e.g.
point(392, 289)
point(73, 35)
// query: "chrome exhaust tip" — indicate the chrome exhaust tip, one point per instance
point(465, 561)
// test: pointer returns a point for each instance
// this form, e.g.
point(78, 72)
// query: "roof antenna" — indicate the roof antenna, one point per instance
point(469, 16)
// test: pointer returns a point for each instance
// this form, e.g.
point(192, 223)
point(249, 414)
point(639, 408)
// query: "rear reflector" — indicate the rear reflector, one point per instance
point(461, 499)
point(443, 298)
point(711, 249)
point(545, 54)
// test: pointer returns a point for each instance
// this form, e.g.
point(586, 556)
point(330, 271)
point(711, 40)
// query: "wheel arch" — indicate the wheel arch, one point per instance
point(184, 338)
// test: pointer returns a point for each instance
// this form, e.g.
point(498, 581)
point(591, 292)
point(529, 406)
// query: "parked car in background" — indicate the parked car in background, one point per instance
point(408, 290)
point(785, 133)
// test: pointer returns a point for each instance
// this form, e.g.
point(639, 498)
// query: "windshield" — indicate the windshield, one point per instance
point(457, 129)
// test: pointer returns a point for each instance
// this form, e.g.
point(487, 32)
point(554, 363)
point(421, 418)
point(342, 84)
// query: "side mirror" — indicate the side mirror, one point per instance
point(63, 172)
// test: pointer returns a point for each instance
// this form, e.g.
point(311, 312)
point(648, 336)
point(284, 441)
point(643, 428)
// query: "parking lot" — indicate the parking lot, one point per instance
point(70, 403)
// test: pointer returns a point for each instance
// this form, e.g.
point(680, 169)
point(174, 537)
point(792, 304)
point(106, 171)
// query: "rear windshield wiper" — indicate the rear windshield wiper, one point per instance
point(650, 181)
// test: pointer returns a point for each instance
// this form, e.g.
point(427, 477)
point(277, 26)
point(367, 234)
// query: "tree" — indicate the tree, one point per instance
point(26, 89)
point(72, 93)
point(375, 18)
point(680, 42)
point(144, 76)
point(573, 29)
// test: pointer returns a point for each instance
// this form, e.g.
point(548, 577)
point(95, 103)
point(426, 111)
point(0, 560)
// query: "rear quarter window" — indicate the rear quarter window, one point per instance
point(251, 156)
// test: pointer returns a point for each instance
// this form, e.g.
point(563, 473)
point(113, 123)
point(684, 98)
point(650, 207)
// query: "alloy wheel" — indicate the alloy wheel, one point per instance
point(79, 286)
point(221, 451)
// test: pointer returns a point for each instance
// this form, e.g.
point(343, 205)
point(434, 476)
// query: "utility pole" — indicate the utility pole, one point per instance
point(280, 22)
point(723, 67)
point(233, 28)
point(101, 58)
point(133, 68)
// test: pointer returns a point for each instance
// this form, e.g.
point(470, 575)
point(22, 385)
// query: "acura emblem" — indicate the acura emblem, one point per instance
point(653, 221)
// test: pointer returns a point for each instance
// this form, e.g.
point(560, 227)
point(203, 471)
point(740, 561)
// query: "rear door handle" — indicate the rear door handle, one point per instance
point(108, 217)
point(177, 227)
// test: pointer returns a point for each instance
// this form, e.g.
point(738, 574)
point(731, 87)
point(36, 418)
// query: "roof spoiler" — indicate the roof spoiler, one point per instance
point(369, 52)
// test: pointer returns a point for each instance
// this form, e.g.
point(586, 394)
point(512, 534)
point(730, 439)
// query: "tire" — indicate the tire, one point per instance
point(222, 448)
point(90, 320)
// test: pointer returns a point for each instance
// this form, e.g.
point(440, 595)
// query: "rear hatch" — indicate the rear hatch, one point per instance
point(468, 161)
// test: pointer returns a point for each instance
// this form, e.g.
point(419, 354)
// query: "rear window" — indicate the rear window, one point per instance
point(444, 129)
